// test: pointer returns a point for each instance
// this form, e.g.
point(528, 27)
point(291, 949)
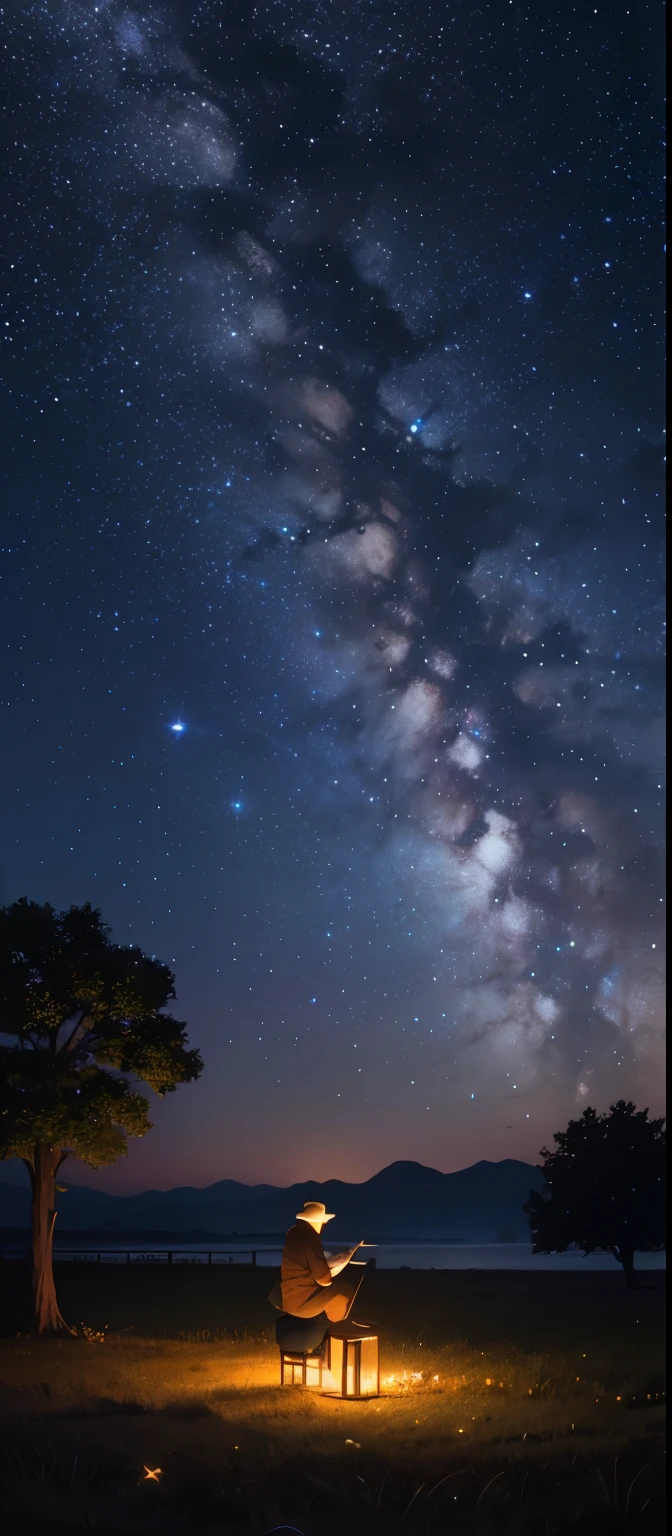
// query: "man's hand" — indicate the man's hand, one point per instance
point(338, 1261)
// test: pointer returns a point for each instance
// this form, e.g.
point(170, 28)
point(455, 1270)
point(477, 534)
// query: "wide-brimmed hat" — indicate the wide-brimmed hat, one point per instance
point(314, 1210)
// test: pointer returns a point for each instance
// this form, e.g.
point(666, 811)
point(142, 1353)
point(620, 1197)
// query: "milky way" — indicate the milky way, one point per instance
point(334, 554)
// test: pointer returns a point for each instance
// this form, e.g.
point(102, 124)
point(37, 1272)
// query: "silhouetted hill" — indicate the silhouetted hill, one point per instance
point(482, 1203)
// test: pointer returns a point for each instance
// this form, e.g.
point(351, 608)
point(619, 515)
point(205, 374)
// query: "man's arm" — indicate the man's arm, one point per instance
point(318, 1266)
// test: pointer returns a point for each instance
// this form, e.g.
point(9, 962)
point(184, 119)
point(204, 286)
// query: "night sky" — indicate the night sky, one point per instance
point(332, 556)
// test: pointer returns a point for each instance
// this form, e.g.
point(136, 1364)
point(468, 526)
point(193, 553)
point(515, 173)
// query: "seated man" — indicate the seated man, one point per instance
point(308, 1283)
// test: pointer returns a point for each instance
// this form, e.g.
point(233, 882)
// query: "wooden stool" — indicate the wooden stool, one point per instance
point(302, 1342)
point(300, 1370)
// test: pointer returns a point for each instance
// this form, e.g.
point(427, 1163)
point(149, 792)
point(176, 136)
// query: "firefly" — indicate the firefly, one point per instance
point(153, 1477)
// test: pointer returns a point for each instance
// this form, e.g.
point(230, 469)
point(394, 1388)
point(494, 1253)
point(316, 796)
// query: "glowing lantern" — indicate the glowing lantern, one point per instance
point(351, 1367)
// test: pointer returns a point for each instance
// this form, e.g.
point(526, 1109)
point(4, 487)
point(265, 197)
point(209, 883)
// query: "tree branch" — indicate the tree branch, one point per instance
point(80, 1029)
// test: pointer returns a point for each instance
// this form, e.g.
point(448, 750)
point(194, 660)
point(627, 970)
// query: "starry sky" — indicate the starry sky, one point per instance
point(332, 555)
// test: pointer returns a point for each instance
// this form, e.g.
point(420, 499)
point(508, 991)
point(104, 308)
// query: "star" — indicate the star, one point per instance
point(414, 564)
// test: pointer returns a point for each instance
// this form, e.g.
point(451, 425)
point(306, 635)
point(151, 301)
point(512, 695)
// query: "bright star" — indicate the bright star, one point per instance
point(178, 728)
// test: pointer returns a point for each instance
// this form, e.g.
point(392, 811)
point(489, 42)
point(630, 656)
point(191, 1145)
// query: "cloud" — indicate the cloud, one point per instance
point(179, 140)
point(466, 753)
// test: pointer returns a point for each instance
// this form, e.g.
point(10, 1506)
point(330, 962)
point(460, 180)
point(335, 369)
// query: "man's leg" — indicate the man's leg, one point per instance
point(340, 1295)
point(313, 1305)
point(335, 1299)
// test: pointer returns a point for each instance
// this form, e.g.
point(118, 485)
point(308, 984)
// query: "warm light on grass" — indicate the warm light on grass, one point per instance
point(531, 1400)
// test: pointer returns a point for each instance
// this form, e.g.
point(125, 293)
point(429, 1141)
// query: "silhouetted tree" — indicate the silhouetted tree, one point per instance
point(81, 1020)
point(605, 1187)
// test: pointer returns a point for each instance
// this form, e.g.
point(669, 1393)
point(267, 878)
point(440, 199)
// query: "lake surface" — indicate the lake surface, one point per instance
point(413, 1255)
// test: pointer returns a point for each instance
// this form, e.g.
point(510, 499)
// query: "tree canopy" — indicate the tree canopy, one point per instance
point(605, 1186)
point(82, 1024)
point(79, 1016)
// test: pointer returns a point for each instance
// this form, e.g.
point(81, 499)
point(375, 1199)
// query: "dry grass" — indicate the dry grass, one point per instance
point(504, 1399)
point(454, 1396)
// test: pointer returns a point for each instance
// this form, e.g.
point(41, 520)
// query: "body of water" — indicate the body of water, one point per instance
point(388, 1255)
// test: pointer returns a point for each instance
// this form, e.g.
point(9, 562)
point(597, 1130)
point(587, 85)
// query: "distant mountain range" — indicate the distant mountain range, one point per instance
point(479, 1204)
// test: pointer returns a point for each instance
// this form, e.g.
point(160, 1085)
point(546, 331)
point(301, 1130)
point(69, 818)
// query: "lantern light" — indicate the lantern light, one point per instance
point(347, 1367)
point(352, 1365)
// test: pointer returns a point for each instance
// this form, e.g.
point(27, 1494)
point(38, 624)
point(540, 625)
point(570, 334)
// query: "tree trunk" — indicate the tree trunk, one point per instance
point(47, 1318)
point(628, 1262)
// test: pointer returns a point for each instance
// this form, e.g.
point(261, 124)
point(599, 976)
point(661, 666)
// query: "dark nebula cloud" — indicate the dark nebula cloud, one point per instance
point(334, 552)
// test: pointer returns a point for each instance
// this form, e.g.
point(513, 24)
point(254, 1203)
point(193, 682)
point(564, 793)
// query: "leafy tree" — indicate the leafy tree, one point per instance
point(81, 1022)
point(605, 1187)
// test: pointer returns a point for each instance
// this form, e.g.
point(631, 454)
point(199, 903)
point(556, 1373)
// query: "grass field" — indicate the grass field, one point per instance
point(510, 1402)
